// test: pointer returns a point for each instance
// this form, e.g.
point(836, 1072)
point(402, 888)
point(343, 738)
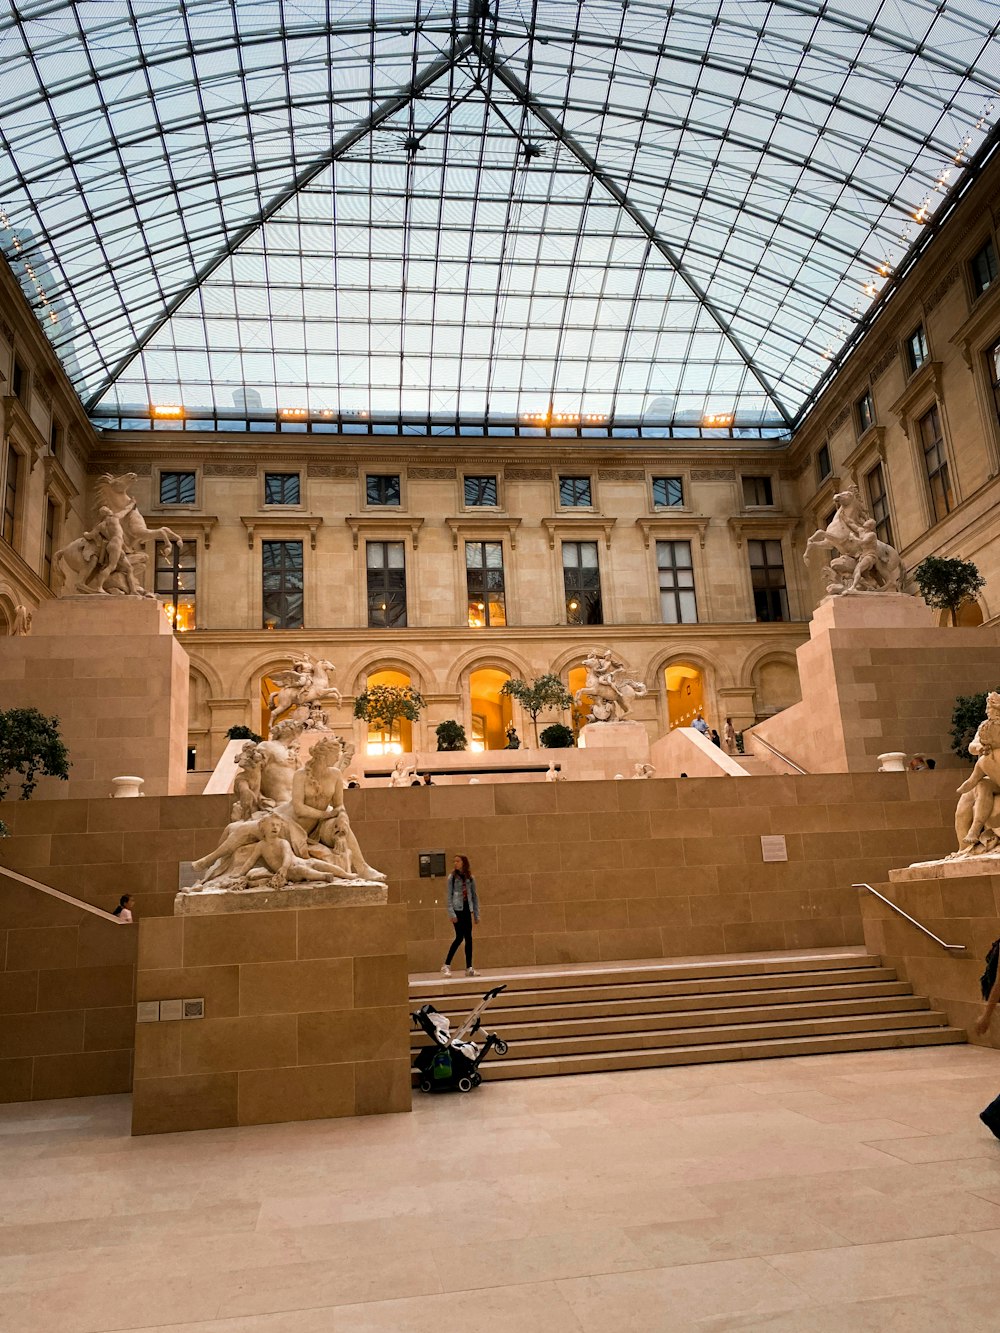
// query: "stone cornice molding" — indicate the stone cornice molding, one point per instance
point(870, 444)
point(981, 328)
point(191, 526)
point(585, 526)
point(283, 524)
point(677, 526)
point(392, 524)
point(923, 384)
point(481, 526)
point(57, 482)
point(761, 525)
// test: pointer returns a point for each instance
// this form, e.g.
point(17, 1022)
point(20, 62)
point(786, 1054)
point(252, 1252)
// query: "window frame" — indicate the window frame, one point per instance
point(764, 542)
point(284, 592)
point(483, 542)
point(912, 364)
point(884, 528)
point(757, 477)
point(285, 474)
point(172, 566)
point(860, 424)
point(385, 543)
point(824, 461)
point(579, 543)
point(177, 472)
point(979, 289)
point(574, 507)
point(10, 518)
point(473, 507)
point(938, 481)
point(676, 590)
point(378, 506)
point(658, 506)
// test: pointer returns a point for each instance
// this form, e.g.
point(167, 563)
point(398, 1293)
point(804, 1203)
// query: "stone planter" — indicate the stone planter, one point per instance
point(127, 786)
point(892, 762)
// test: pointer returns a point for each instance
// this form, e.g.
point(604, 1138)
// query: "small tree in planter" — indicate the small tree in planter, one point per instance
point(557, 736)
point(384, 706)
point(241, 733)
point(30, 748)
point(451, 735)
point(946, 585)
point(969, 711)
point(536, 696)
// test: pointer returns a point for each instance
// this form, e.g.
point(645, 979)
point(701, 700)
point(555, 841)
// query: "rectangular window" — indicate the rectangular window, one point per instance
point(984, 268)
point(767, 575)
point(480, 491)
point(281, 566)
point(916, 348)
point(676, 573)
point(10, 494)
point(582, 580)
point(55, 439)
point(382, 489)
point(865, 411)
point(823, 466)
point(484, 577)
point(757, 492)
point(993, 368)
point(574, 492)
point(936, 463)
point(878, 501)
point(667, 492)
point(386, 563)
point(175, 584)
point(177, 488)
point(19, 381)
point(281, 488)
point(50, 541)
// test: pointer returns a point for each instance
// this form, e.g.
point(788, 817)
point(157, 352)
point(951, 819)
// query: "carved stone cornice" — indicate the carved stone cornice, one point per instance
point(926, 380)
point(760, 525)
point(480, 527)
point(673, 527)
point(585, 526)
point(284, 525)
point(57, 482)
point(392, 524)
point(19, 426)
point(872, 442)
point(982, 328)
point(191, 526)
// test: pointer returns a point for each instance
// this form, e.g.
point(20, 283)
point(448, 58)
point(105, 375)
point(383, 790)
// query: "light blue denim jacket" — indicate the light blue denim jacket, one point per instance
point(455, 895)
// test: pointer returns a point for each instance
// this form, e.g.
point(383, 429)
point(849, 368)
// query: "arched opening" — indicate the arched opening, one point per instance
point(776, 686)
point(6, 616)
point(576, 680)
point(268, 688)
point(685, 686)
point(970, 615)
point(199, 720)
point(379, 741)
point(491, 710)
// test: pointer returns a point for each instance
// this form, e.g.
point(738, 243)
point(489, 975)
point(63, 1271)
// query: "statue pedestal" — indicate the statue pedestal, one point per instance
point(615, 746)
point(111, 669)
point(877, 675)
point(222, 902)
point(305, 1017)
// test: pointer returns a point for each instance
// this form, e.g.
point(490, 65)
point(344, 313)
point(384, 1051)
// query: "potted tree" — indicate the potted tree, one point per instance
point(946, 585)
point(450, 735)
point(535, 696)
point(385, 706)
point(30, 748)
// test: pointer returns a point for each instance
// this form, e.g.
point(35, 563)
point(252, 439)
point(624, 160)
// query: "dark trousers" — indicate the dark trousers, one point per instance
point(991, 1117)
point(463, 931)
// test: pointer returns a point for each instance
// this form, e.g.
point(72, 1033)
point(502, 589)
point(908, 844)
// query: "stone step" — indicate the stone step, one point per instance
point(516, 1032)
point(516, 1007)
point(509, 1067)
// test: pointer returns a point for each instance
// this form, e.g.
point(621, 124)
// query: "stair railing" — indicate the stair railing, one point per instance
point(777, 753)
point(58, 893)
point(953, 948)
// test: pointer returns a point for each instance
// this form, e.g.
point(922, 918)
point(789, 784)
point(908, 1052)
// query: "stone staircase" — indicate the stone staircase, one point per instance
point(573, 1019)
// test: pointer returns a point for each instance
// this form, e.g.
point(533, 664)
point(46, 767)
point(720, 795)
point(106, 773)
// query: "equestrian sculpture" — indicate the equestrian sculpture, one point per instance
point(110, 558)
point(861, 563)
point(610, 687)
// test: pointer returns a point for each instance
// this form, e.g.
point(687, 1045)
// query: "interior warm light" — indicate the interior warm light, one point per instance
point(718, 419)
point(166, 409)
point(294, 411)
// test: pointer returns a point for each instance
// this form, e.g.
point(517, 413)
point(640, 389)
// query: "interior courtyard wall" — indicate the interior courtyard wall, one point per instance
point(961, 328)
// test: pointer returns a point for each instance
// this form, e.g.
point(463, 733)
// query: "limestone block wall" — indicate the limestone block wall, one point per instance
point(66, 994)
point(305, 1018)
point(959, 911)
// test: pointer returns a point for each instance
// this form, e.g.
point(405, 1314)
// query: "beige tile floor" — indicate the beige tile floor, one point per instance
point(822, 1195)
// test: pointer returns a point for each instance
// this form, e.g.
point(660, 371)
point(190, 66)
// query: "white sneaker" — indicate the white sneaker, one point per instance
point(446, 970)
point(471, 972)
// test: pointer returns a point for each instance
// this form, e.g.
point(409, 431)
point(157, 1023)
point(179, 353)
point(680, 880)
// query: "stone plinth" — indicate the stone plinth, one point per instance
point(877, 675)
point(971, 867)
point(305, 1017)
point(213, 902)
point(629, 742)
point(114, 673)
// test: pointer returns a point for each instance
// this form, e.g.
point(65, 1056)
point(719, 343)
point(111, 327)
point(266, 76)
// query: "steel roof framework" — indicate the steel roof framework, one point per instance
point(618, 209)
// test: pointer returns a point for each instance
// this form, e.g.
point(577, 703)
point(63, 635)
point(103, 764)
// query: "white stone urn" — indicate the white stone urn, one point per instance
point(893, 762)
point(127, 786)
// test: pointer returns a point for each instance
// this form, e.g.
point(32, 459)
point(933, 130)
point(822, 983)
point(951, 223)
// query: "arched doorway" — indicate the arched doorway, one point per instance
point(970, 615)
point(576, 679)
point(401, 740)
point(491, 710)
point(775, 686)
point(685, 686)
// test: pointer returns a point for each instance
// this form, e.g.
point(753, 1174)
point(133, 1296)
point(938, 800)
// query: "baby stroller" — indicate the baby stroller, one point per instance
point(454, 1059)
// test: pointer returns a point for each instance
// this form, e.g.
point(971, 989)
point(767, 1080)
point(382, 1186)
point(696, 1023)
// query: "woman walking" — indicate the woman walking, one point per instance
point(463, 909)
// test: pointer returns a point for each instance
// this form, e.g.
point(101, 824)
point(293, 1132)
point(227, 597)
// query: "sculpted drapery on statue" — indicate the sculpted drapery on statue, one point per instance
point(610, 687)
point(862, 563)
point(289, 825)
point(111, 556)
point(977, 818)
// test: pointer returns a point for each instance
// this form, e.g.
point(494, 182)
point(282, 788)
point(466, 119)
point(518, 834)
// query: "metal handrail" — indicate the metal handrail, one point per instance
point(58, 893)
point(912, 920)
point(777, 753)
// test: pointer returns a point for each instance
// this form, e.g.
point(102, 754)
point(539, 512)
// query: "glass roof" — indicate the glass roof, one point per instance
point(533, 211)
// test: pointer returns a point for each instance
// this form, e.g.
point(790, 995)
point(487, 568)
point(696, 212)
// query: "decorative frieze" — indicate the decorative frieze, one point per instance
point(230, 470)
point(713, 474)
point(431, 473)
point(937, 293)
point(884, 361)
point(620, 474)
point(527, 474)
point(97, 466)
point(335, 471)
point(840, 418)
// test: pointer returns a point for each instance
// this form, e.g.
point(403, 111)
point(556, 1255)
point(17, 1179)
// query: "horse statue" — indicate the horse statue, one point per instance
point(111, 557)
point(862, 563)
point(307, 682)
point(610, 687)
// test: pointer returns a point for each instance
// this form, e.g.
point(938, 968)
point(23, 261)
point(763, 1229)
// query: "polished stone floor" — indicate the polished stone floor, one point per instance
point(824, 1194)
